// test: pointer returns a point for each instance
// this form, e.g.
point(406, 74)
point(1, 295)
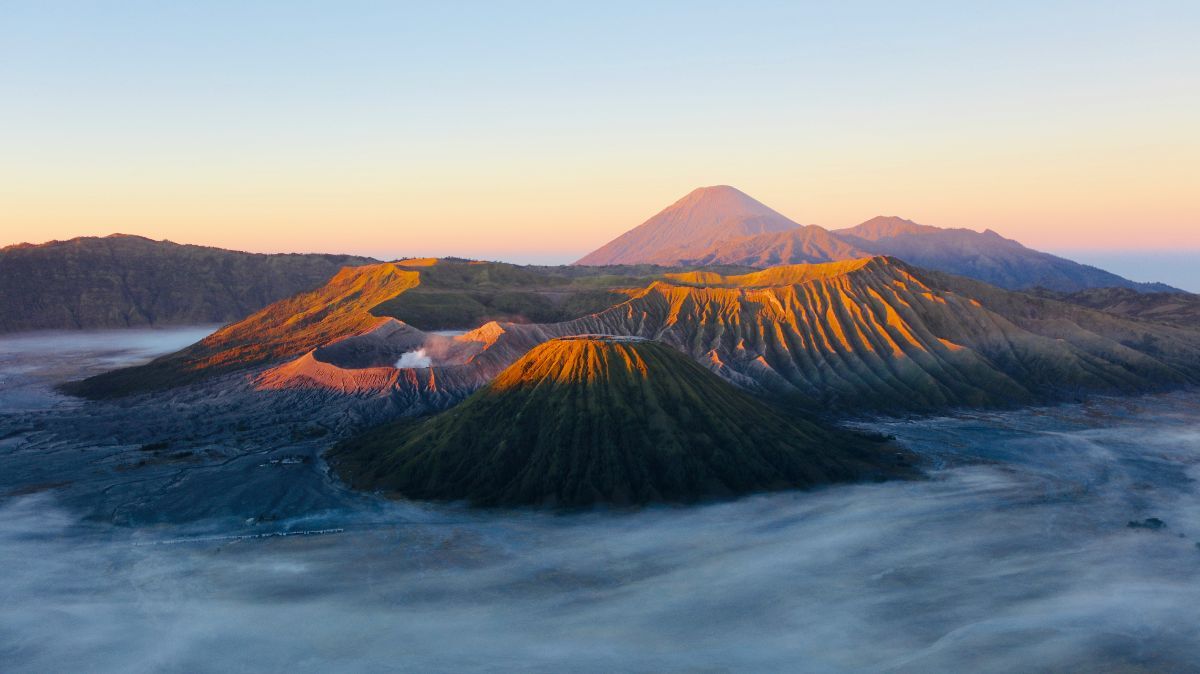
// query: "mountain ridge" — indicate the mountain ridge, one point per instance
point(125, 280)
point(699, 240)
point(986, 256)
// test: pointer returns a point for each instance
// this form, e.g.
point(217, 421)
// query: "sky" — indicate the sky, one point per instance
point(535, 132)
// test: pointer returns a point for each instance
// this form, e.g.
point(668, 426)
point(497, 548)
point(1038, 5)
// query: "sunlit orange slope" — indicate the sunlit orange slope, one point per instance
point(292, 326)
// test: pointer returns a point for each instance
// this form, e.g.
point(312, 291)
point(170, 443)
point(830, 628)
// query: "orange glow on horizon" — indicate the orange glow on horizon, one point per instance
point(522, 225)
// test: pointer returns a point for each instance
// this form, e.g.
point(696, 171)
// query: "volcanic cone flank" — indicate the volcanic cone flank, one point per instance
point(582, 420)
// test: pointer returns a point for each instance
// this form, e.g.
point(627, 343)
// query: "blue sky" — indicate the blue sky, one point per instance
point(540, 130)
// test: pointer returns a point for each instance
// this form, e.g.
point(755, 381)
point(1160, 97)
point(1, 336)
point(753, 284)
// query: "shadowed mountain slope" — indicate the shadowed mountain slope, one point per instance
point(126, 281)
point(1179, 309)
point(686, 229)
point(586, 420)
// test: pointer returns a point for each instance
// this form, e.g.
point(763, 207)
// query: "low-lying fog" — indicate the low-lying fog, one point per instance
point(29, 360)
point(1016, 556)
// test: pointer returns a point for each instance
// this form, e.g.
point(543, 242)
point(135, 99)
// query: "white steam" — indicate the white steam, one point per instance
point(414, 359)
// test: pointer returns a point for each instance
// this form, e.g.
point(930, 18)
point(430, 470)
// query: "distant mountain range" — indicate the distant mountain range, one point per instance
point(986, 256)
point(722, 225)
point(128, 281)
point(1181, 309)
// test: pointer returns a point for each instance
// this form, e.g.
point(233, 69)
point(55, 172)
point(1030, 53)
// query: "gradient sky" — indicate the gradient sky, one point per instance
point(538, 131)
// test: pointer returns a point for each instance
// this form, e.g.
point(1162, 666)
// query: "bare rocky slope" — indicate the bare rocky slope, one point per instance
point(127, 281)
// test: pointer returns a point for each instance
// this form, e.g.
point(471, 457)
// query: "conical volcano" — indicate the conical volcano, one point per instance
point(689, 227)
point(584, 420)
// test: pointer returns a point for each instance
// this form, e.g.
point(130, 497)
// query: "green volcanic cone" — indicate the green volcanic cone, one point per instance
point(586, 420)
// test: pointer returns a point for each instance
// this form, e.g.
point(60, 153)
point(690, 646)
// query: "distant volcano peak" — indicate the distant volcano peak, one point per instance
point(703, 217)
point(704, 207)
point(729, 195)
point(885, 227)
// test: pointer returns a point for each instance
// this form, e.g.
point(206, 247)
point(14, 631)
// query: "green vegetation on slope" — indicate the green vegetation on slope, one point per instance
point(464, 294)
point(578, 421)
point(429, 308)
